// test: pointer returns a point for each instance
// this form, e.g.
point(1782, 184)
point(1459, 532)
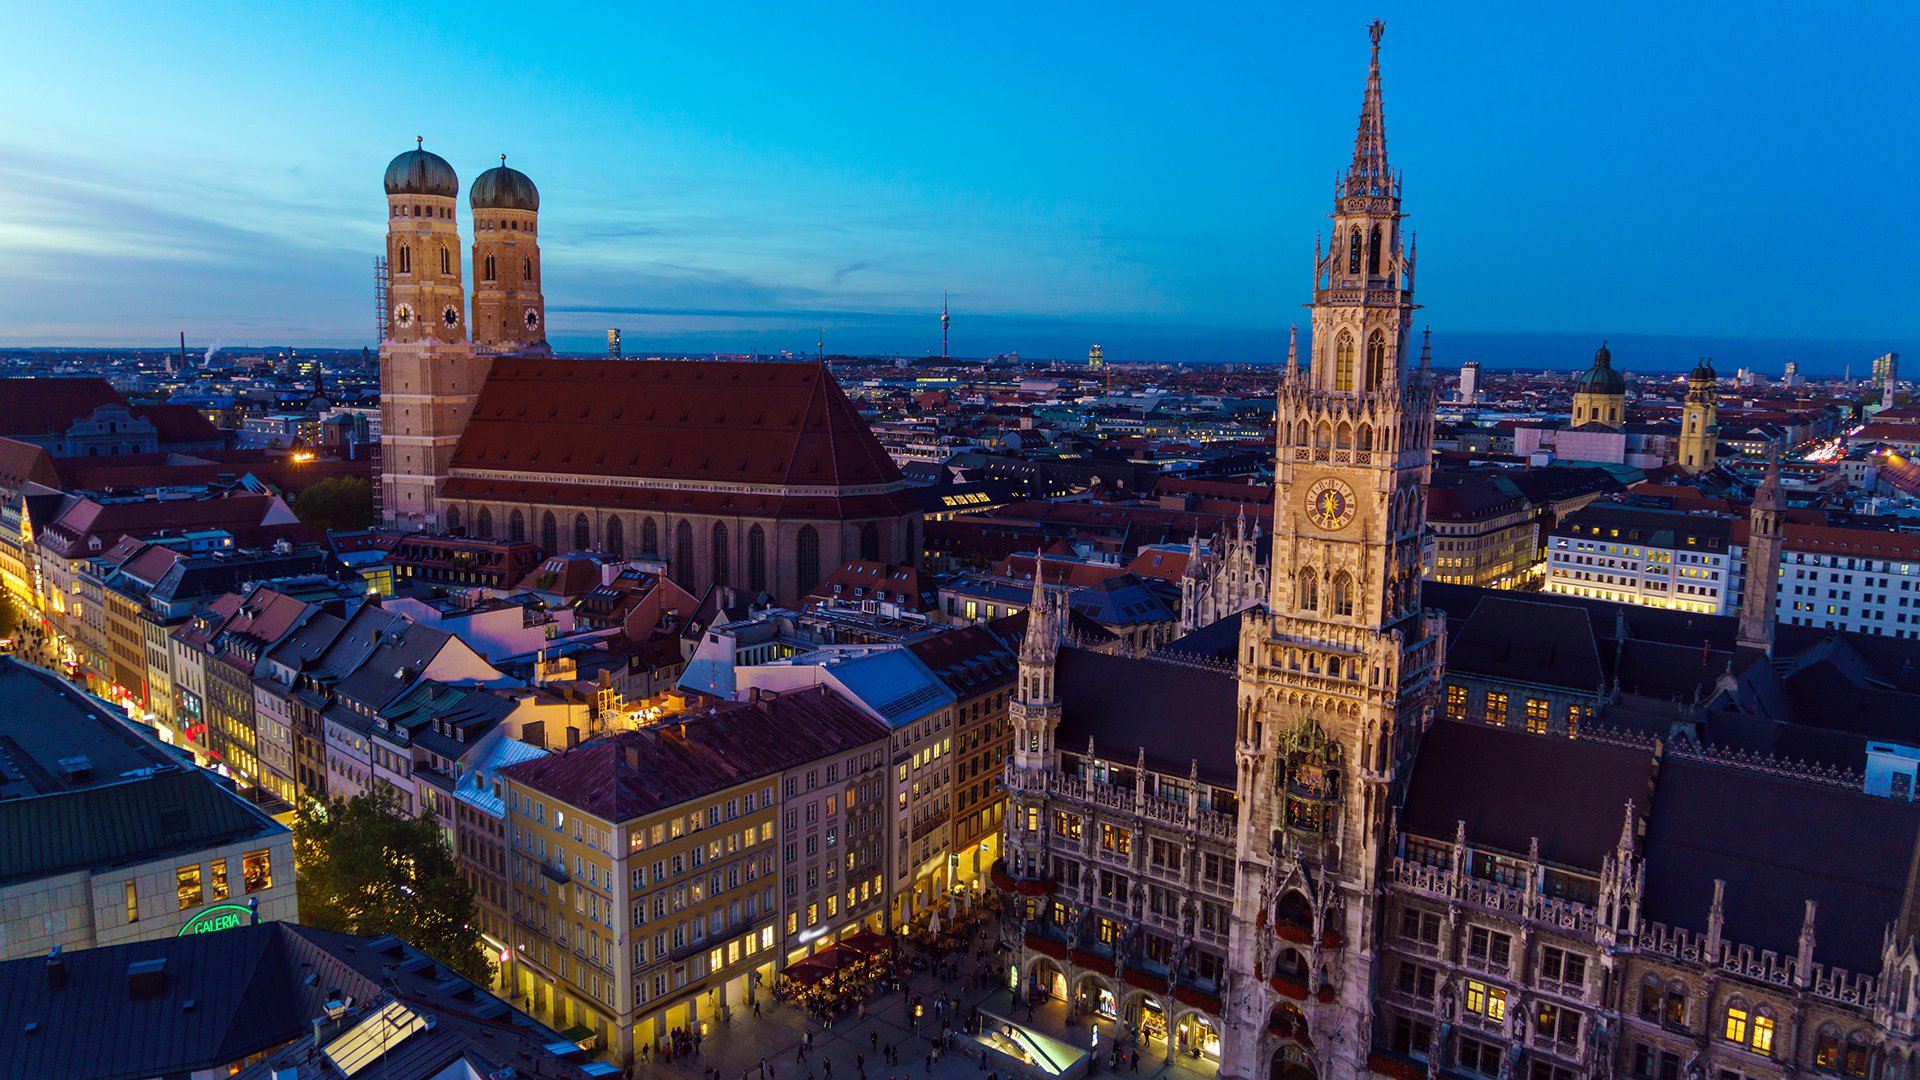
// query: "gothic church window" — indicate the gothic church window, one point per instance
point(517, 527)
point(870, 542)
point(1343, 361)
point(1376, 360)
point(1353, 251)
point(683, 551)
point(489, 270)
point(549, 534)
point(483, 524)
point(650, 539)
point(1309, 590)
point(807, 557)
point(526, 269)
point(616, 537)
point(446, 263)
point(582, 533)
point(453, 519)
point(406, 259)
point(1364, 441)
point(722, 562)
point(1373, 252)
point(757, 558)
point(1342, 594)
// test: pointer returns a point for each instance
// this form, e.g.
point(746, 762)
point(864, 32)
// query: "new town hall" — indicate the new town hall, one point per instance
point(1372, 828)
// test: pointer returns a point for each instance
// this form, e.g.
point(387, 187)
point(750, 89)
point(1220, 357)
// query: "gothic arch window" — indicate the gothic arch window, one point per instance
point(526, 269)
point(517, 527)
point(1326, 435)
point(806, 548)
point(549, 534)
point(406, 259)
point(489, 270)
point(650, 539)
point(1342, 594)
point(722, 563)
point(870, 542)
point(483, 524)
point(453, 519)
point(757, 559)
point(1304, 439)
point(1293, 908)
point(1343, 436)
point(1826, 1048)
point(683, 551)
point(1364, 439)
point(446, 263)
point(1343, 361)
point(1309, 590)
point(616, 538)
point(1859, 1055)
point(582, 533)
point(1353, 251)
point(1376, 360)
point(1373, 252)
point(1309, 778)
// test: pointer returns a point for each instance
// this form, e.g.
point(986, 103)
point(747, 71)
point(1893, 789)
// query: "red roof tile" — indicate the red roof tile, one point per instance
point(716, 421)
point(50, 406)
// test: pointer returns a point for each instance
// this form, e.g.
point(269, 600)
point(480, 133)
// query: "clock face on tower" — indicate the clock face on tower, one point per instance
point(450, 315)
point(403, 315)
point(1330, 504)
point(532, 319)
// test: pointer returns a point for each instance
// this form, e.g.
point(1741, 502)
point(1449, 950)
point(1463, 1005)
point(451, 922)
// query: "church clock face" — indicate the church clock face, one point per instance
point(1330, 504)
point(450, 315)
point(532, 319)
point(403, 315)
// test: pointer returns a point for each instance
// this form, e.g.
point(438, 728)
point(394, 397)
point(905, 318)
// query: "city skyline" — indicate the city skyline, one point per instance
point(730, 204)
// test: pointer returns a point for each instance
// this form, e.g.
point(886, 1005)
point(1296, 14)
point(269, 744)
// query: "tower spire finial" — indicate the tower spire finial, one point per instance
point(1293, 350)
point(1368, 174)
point(1426, 348)
point(419, 142)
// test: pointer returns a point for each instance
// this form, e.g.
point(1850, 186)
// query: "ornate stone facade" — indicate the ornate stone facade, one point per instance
point(1227, 581)
point(1699, 424)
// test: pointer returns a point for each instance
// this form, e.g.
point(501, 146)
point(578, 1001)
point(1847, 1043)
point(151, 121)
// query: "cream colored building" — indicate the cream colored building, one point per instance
point(183, 850)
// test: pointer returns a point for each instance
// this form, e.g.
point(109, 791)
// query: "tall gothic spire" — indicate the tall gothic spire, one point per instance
point(1368, 175)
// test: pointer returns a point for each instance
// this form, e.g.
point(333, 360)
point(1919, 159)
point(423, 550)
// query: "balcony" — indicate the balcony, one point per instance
point(1441, 883)
point(1206, 824)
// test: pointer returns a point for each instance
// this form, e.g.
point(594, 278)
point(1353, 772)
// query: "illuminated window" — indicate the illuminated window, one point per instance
point(219, 880)
point(133, 903)
point(1735, 1030)
point(186, 882)
point(813, 914)
point(1456, 703)
point(1762, 1034)
point(1343, 355)
point(1118, 841)
point(1496, 711)
point(1537, 716)
point(256, 869)
point(1487, 1001)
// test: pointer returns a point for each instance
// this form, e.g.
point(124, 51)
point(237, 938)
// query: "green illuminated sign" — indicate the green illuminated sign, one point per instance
point(217, 917)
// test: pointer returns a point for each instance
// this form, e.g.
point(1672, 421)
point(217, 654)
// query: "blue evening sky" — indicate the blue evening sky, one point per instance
point(1151, 176)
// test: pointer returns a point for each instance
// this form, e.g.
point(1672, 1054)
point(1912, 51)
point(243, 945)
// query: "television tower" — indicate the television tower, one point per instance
point(944, 323)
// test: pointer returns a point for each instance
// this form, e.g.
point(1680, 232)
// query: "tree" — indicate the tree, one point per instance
point(338, 503)
point(365, 866)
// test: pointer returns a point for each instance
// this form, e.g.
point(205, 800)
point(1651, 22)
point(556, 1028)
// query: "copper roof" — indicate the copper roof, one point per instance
point(718, 422)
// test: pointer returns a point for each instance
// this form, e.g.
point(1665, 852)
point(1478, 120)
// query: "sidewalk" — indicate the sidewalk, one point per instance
point(738, 1047)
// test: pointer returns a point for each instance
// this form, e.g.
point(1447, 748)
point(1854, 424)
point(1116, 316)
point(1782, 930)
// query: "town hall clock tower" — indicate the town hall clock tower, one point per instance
point(1336, 674)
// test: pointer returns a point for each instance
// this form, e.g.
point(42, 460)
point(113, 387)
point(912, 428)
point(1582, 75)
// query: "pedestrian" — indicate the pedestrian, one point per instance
point(800, 1053)
point(756, 1008)
point(763, 1069)
point(873, 1039)
point(860, 1062)
point(929, 1062)
point(1136, 1059)
point(826, 1068)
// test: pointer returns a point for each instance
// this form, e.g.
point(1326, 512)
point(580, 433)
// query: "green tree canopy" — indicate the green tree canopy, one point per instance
point(338, 503)
point(365, 866)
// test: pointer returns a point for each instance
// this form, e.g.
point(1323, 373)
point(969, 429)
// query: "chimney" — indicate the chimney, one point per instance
point(56, 970)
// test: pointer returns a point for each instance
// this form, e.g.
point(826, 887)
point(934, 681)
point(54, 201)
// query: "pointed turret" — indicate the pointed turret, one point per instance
point(1368, 174)
point(1293, 348)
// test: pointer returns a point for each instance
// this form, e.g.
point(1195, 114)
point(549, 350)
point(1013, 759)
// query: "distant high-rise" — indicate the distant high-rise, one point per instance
point(1470, 382)
point(1095, 359)
point(945, 323)
point(613, 343)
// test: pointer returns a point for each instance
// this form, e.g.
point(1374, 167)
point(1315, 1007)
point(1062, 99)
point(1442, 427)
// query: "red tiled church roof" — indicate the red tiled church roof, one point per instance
point(713, 421)
point(50, 406)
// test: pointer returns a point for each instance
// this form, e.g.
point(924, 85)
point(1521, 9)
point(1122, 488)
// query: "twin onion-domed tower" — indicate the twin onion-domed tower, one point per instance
point(433, 362)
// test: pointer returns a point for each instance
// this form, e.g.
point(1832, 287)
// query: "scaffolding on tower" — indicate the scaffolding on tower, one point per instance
point(381, 283)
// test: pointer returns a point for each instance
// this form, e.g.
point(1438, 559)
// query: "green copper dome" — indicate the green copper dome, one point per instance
point(501, 188)
point(422, 172)
point(1601, 378)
